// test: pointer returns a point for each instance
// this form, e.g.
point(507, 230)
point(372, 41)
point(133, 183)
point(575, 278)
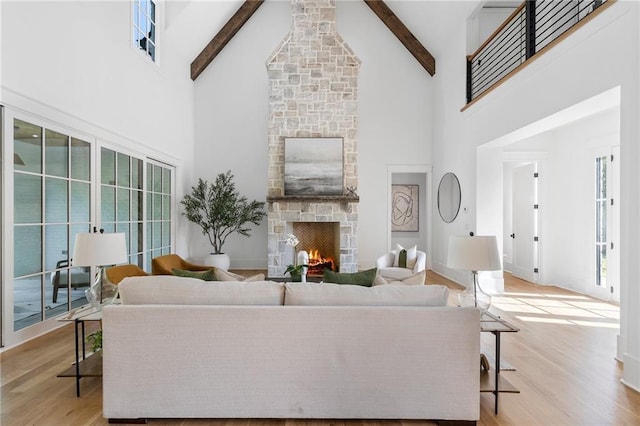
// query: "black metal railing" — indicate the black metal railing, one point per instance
point(527, 31)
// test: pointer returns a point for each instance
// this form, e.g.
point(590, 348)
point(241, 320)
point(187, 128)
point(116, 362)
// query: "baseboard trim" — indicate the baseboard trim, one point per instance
point(631, 372)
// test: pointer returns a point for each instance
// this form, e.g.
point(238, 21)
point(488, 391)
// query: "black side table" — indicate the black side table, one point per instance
point(88, 366)
point(490, 323)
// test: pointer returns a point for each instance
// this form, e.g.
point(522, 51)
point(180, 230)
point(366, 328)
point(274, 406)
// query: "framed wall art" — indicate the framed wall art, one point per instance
point(313, 166)
point(404, 208)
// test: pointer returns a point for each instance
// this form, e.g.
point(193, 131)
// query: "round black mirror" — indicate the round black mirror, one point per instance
point(449, 197)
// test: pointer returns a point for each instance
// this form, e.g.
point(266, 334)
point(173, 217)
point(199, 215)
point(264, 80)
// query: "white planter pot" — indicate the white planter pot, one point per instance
point(221, 261)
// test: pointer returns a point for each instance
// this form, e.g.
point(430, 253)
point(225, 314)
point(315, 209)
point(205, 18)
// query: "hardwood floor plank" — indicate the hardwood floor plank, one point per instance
point(563, 356)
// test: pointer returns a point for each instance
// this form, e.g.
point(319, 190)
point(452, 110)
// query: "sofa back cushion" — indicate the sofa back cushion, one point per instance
point(354, 295)
point(172, 290)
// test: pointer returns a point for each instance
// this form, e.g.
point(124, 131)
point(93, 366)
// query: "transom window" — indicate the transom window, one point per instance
point(144, 26)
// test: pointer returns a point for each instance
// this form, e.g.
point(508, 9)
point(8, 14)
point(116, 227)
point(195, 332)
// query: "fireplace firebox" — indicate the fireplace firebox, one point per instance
point(322, 241)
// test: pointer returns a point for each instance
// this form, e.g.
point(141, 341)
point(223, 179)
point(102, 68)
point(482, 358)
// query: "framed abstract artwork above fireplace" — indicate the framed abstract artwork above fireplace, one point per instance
point(313, 166)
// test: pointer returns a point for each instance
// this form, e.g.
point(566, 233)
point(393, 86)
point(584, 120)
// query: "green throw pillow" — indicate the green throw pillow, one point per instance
point(208, 275)
point(402, 258)
point(363, 278)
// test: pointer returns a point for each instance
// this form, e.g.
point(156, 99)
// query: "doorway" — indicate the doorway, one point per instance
point(560, 246)
point(411, 208)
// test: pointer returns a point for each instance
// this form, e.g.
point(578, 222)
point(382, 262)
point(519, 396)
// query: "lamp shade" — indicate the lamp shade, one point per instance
point(95, 249)
point(477, 253)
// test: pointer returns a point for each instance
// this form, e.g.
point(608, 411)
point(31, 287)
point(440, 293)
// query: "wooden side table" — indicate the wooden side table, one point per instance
point(88, 366)
point(490, 323)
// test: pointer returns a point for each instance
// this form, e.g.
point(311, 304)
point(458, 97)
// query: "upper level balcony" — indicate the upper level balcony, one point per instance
point(533, 28)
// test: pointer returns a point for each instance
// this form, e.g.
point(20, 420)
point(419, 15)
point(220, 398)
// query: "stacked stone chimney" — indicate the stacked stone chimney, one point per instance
point(313, 92)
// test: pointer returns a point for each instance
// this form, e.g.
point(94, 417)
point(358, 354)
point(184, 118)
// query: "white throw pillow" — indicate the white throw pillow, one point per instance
point(222, 275)
point(415, 279)
point(412, 256)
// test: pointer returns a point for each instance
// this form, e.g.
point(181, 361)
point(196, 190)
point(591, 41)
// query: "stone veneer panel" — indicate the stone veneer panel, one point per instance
point(313, 92)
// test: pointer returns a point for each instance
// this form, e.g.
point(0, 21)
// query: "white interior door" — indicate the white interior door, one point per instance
point(524, 185)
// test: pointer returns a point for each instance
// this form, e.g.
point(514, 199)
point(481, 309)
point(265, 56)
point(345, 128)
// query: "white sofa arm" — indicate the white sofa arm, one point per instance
point(421, 262)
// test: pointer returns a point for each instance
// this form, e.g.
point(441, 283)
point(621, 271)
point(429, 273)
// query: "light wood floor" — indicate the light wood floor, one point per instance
point(564, 356)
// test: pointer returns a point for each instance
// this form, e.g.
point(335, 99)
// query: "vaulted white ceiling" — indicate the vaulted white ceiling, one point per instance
point(191, 24)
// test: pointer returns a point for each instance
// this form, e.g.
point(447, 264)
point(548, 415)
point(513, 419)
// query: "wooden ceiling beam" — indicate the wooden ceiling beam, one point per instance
point(403, 34)
point(223, 37)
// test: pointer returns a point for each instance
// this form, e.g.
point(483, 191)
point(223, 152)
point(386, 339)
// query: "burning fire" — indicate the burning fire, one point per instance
point(318, 263)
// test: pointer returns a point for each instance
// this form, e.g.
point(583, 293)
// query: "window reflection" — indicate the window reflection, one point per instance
point(56, 154)
point(43, 222)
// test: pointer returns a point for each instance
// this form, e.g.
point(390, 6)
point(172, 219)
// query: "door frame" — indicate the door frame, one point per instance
point(427, 170)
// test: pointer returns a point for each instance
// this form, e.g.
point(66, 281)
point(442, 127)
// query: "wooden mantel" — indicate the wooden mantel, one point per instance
point(346, 198)
point(379, 7)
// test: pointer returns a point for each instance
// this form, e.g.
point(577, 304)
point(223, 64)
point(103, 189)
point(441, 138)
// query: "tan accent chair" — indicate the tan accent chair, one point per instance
point(115, 274)
point(164, 265)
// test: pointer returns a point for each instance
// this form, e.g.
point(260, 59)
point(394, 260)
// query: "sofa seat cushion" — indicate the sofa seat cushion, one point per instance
point(395, 273)
point(415, 279)
point(325, 294)
point(173, 290)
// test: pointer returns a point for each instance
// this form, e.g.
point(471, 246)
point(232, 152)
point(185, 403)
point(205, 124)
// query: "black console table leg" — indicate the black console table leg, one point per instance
point(497, 370)
point(77, 323)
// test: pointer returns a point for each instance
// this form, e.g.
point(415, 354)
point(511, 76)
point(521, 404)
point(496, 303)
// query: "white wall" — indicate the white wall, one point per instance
point(76, 57)
point(72, 63)
point(589, 62)
point(487, 21)
point(231, 120)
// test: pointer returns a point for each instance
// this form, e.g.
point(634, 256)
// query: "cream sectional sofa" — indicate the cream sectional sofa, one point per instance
point(185, 348)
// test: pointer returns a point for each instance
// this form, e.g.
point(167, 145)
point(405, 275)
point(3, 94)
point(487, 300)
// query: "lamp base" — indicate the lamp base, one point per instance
point(474, 296)
point(102, 292)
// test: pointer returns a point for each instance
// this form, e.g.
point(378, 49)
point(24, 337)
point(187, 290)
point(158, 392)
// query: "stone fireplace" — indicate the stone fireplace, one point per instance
point(313, 93)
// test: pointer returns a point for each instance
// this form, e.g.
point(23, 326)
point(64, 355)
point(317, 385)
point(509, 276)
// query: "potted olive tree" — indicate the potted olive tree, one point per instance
point(220, 210)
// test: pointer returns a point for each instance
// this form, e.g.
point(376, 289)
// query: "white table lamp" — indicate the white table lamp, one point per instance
point(99, 249)
point(474, 253)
